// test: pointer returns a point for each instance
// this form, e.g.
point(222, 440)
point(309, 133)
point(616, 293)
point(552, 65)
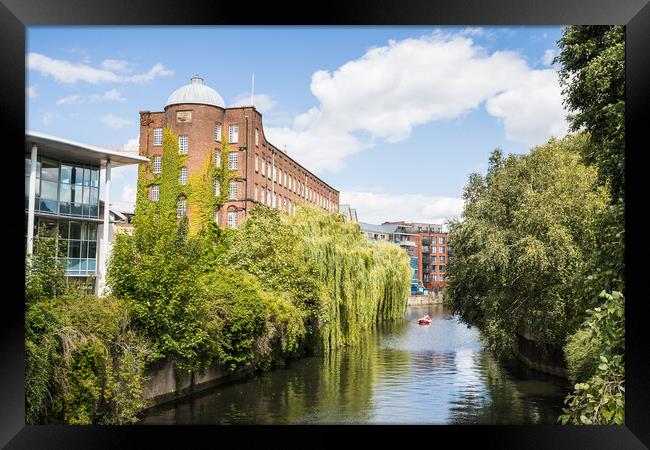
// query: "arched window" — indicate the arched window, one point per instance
point(232, 219)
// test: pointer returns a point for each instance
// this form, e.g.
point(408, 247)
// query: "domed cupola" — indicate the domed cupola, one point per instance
point(195, 92)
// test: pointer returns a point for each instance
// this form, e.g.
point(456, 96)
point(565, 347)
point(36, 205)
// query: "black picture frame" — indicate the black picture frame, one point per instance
point(16, 15)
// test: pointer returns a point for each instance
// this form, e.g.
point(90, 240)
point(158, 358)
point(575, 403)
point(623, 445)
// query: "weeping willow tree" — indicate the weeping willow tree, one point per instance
point(364, 281)
point(343, 281)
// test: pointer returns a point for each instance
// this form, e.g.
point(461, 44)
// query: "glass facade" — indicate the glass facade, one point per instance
point(66, 189)
point(76, 242)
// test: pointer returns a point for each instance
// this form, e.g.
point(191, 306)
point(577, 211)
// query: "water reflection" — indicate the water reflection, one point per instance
point(400, 372)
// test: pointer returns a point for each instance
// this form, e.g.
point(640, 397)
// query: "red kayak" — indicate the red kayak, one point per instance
point(426, 320)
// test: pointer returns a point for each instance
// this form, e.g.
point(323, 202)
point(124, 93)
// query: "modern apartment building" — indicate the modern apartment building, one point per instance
point(62, 195)
point(264, 174)
point(426, 245)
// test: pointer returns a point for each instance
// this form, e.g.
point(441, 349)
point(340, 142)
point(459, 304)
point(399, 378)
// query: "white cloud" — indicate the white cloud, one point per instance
point(262, 102)
point(547, 59)
point(109, 96)
point(156, 71)
point(133, 144)
point(115, 65)
point(386, 92)
point(532, 111)
point(114, 121)
point(373, 207)
point(68, 72)
point(31, 91)
point(129, 192)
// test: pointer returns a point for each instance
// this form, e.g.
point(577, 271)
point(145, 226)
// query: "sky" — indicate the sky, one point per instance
point(395, 118)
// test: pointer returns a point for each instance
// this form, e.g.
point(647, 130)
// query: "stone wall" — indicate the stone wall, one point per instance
point(167, 382)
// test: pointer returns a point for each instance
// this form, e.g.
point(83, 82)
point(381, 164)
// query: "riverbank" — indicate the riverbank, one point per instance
point(417, 300)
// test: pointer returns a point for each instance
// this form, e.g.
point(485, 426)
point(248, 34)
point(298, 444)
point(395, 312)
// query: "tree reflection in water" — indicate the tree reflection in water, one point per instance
point(399, 372)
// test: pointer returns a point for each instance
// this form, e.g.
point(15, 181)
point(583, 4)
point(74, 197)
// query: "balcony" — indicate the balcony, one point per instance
point(426, 249)
point(426, 260)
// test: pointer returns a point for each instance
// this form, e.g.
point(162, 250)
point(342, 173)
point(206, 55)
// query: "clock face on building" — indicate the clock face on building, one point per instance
point(184, 116)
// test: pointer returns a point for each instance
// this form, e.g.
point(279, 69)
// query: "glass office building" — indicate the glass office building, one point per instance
point(66, 200)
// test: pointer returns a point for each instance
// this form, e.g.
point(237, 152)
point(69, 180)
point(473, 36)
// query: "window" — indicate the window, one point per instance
point(257, 137)
point(232, 219)
point(255, 193)
point(285, 179)
point(233, 134)
point(232, 160)
point(181, 207)
point(441, 249)
point(217, 132)
point(217, 157)
point(274, 201)
point(268, 198)
point(155, 193)
point(217, 187)
point(216, 216)
point(157, 164)
point(233, 190)
point(268, 170)
point(442, 259)
point(183, 177)
point(157, 136)
point(182, 145)
point(275, 173)
point(257, 164)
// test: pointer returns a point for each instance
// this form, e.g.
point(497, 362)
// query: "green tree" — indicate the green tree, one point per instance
point(593, 75)
point(525, 237)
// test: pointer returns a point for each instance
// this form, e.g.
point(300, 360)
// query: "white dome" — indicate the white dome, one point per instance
point(195, 92)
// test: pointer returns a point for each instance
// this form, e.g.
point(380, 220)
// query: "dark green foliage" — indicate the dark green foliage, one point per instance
point(593, 75)
point(85, 363)
point(44, 274)
point(595, 354)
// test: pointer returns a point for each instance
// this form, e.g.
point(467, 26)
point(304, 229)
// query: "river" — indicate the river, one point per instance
point(400, 373)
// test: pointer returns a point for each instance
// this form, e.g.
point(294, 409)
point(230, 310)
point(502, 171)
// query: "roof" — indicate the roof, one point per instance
point(196, 92)
point(389, 229)
point(66, 150)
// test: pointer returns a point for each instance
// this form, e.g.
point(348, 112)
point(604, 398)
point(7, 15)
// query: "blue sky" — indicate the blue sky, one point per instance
point(394, 117)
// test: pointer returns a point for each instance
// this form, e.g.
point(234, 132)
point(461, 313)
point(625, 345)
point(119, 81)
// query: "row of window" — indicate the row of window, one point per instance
point(64, 188)
point(433, 268)
point(233, 162)
point(233, 194)
point(181, 210)
point(76, 243)
point(273, 200)
point(434, 277)
point(183, 142)
point(433, 249)
point(290, 183)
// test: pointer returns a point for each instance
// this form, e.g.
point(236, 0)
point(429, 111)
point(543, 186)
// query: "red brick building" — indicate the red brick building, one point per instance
point(265, 174)
point(426, 245)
